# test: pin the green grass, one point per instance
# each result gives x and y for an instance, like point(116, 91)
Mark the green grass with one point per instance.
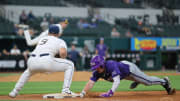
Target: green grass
point(101, 86)
point(9, 74)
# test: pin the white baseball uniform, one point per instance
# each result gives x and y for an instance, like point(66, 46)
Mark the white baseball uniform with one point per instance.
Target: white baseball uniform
point(42, 60)
point(32, 42)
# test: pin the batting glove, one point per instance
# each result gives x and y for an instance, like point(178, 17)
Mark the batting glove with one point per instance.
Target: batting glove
point(82, 94)
point(108, 94)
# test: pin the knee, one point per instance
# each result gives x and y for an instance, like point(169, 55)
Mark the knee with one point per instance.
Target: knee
point(28, 72)
point(148, 83)
point(71, 65)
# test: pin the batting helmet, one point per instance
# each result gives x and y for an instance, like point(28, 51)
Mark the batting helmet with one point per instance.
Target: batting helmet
point(97, 61)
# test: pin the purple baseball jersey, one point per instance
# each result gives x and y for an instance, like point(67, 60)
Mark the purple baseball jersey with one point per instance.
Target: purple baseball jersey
point(101, 49)
point(112, 69)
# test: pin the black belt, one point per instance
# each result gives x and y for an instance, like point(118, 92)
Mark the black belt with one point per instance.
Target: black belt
point(41, 55)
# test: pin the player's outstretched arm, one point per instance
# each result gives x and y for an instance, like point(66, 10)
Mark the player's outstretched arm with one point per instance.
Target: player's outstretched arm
point(88, 86)
point(115, 85)
point(32, 42)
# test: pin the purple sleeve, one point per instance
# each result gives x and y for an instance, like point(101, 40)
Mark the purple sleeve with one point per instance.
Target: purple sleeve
point(115, 70)
point(95, 76)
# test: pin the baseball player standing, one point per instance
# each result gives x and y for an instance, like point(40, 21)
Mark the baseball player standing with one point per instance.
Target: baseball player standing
point(42, 59)
point(115, 71)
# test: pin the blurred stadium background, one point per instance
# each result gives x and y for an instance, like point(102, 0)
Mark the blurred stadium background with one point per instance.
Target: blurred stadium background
point(146, 32)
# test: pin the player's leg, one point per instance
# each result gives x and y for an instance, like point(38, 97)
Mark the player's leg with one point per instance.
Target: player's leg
point(19, 85)
point(66, 66)
point(141, 77)
point(23, 78)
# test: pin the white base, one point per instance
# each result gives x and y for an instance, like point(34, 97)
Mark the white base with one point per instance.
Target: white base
point(59, 96)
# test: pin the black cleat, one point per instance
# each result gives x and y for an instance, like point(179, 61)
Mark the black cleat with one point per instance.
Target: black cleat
point(134, 85)
point(168, 87)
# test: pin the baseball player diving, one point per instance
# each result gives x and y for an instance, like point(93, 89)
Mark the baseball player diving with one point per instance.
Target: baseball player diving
point(42, 59)
point(114, 71)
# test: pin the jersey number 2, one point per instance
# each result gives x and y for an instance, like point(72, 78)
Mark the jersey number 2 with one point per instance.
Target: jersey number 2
point(43, 41)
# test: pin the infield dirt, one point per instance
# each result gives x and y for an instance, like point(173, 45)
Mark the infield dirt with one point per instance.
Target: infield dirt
point(119, 96)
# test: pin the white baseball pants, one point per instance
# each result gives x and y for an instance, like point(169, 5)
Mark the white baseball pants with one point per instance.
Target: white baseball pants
point(47, 64)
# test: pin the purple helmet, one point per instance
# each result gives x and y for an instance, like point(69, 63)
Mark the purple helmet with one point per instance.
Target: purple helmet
point(96, 62)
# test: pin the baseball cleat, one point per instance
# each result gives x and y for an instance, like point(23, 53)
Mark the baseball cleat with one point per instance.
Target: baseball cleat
point(13, 94)
point(168, 87)
point(172, 91)
point(134, 85)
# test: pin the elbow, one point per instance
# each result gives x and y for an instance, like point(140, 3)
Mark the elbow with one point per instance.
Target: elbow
point(63, 55)
point(117, 82)
point(30, 44)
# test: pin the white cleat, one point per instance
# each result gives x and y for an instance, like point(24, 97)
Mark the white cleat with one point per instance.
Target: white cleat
point(13, 94)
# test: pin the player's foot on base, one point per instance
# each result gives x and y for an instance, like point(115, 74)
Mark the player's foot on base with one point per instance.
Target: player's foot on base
point(168, 87)
point(13, 94)
point(134, 85)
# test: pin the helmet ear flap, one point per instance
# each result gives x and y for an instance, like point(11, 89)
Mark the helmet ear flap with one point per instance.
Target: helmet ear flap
point(102, 65)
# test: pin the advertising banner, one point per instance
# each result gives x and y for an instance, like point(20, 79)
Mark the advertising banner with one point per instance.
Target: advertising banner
point(12, 62)
point(151, 43)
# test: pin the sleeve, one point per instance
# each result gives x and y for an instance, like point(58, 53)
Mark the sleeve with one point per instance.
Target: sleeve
point(115, 83)
point(115, 70)
point(32, 42)
point(95, 76)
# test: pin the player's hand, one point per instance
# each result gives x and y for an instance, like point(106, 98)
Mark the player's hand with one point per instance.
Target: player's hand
point(82, 94)
point(108, 94)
